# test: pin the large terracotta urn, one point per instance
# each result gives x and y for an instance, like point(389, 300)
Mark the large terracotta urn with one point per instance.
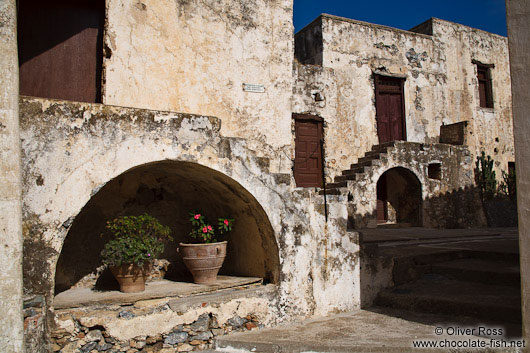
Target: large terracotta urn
point(203, 260)
point(131, 277)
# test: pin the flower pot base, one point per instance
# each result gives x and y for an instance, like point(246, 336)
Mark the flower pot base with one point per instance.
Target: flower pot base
point(131, 278)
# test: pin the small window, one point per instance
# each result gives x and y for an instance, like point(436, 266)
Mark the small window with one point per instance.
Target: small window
point(435, 171)
point(484, 85)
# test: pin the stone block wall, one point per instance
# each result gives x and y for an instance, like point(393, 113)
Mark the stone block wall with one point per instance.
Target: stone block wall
point(194, 57)
point(441, 86)
point(72, 151)
point(164, 324)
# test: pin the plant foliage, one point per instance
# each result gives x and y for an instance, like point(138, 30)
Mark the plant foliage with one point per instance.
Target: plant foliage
point(508, 185)
point(202, 230)
point(485, 176)
point(137, 239)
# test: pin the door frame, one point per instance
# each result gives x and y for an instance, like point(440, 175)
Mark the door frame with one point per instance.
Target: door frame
point(319, 121)
point(381, 88)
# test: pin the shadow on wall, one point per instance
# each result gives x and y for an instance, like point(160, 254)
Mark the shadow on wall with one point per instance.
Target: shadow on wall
point(460, 208)
point(168, 191)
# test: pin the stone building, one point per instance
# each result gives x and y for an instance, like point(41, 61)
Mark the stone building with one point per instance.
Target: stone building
point(165, 107)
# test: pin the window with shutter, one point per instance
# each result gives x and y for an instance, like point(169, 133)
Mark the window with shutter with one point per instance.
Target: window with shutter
point(484, 85)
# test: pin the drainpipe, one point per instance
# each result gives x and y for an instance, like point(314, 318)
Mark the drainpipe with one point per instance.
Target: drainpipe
point(323, 177)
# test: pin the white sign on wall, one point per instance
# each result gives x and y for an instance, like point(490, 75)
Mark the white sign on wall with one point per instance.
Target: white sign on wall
point(254, 88)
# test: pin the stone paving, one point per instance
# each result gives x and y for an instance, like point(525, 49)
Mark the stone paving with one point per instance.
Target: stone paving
point(386, 329)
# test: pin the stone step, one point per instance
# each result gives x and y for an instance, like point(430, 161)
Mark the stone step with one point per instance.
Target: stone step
point(355, 170)
point(502, 273)
point(383, 146)
point(341, 178)
point(361, 164)
point(337, 185)
point(439, 294)
point(367, 159)
point(378, 154)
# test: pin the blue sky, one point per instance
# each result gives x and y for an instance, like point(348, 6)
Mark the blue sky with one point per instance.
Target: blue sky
point(489, 15)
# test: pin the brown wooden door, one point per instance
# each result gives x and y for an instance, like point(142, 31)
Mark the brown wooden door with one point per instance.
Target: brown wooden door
point(390, 109)
point(60, 48)
point(308, 153)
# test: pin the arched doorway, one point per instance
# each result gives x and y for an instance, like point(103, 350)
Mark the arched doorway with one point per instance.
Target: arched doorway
point(168, 190)
point(399, 198)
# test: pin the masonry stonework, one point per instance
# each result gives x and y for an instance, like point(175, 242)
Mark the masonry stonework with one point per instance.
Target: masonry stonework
point(199, 100)
point(64, 177)
point(441, 86)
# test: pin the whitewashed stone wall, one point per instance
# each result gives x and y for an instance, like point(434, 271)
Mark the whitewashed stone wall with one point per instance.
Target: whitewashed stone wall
point(440, 87)
point(70, 150)
point(194, 56)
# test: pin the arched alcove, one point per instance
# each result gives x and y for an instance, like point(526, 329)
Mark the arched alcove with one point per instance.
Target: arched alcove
point(399, 197)
point(169, 190)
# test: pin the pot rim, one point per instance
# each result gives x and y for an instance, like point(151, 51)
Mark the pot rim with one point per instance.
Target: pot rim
point(203, 244)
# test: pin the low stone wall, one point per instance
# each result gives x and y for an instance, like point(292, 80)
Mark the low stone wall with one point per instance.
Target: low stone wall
point(163, 325)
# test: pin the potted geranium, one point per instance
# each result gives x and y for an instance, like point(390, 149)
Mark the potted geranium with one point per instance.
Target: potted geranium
point(205, 255)
point(137, 241)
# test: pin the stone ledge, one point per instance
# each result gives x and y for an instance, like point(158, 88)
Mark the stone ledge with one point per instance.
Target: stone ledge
point(81, 297)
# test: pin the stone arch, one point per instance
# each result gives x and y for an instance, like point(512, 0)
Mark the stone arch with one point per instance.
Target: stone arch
point(168, 190)
point(399, 197)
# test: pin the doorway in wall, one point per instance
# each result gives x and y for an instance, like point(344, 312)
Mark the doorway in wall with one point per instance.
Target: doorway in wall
point(308, 150)
point(60, 45)
point(399, 198)
point(390, 108)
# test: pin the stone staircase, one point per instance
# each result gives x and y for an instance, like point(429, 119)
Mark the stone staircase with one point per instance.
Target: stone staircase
point(371, 158)
point(481, 286)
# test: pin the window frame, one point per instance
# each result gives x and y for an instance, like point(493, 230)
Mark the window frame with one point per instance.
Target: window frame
point(485, 85)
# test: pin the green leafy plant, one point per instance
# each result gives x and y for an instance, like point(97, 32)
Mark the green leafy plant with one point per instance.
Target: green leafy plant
point(202, 230)
point(508, 185)
point(136, 240)
point(485, 176)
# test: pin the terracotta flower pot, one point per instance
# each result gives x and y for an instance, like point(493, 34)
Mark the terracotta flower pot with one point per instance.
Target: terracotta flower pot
point(203, 260)
point(131, 277)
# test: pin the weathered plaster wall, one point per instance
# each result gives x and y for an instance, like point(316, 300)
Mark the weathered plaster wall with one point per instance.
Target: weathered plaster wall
point(489, 129)
point(11, 320)
point(71, 150)
point(450, 202)
point(355, 50)
point(440, 86)
point(194, 56)
point(518, 19)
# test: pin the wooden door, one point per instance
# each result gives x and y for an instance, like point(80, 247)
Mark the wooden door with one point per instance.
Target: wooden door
point(382, 212)
point(60, 48)
point(308, 152)
point(390, 109)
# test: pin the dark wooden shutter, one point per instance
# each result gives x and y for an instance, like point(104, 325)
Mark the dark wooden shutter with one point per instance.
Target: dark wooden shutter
point(308, 152)
point(484, 86)
point(60, 48)
point(390, 108)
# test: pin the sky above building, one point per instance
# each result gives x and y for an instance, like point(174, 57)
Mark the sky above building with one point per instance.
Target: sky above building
point(488, 15)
